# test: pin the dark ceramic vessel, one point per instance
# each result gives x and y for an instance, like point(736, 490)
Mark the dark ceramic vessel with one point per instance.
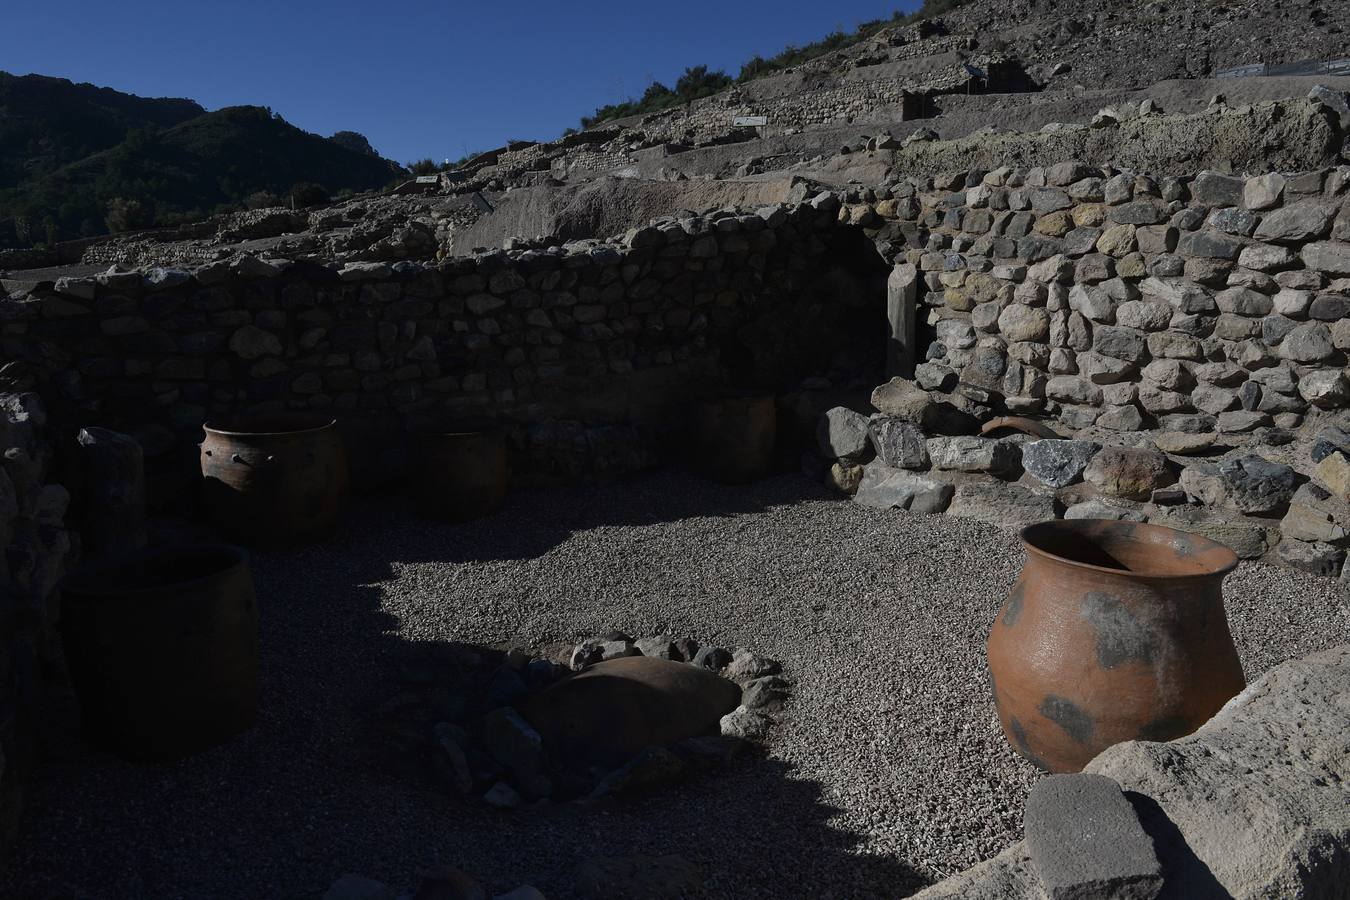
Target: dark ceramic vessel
point(1115, 631)
point(274, 481)
point(459, 475)
point(163, 650)
point(734, 437)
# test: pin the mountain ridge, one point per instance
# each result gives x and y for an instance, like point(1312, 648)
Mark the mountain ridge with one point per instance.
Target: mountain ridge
point(70, 151)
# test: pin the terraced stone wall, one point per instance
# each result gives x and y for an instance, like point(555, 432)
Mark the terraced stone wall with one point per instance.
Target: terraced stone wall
point(588, 348)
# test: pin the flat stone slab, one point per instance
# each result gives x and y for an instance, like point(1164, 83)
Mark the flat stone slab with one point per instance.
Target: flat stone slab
point(1006, 505)
point(1086, 841)
point(885, 488)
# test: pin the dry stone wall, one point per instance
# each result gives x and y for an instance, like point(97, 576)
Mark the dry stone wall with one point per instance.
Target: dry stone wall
point(1189, 334)
point(1281, 136)
point(37, 549)
point(584, 346)
point(873, 99)
point(1113, 299)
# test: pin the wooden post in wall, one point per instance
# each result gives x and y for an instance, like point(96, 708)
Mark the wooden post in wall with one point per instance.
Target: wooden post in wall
point(902, 296)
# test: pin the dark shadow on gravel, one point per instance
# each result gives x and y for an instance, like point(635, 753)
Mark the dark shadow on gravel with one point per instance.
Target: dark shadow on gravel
point(535, 521)
point(313, 791)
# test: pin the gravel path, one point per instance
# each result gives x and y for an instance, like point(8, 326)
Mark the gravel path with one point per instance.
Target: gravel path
point(887, 770)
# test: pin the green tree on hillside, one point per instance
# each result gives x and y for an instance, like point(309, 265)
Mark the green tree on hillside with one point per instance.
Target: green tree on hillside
point(697, 82)
point(307, 193)
point(125, 214)
point(354, 141)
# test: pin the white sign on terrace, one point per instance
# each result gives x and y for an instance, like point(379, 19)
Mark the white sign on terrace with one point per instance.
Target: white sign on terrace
point(750, 121)
point(428, 179)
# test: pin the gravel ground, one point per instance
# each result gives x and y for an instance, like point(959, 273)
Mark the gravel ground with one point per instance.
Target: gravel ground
point(887, 770)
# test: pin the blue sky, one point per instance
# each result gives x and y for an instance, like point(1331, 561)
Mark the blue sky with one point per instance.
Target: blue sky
point(417, 78)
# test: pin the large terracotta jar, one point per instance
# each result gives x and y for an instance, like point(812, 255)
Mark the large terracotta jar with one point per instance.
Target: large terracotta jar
point(274, 481)
point(163, 649)
point(734, 437)
point(459, 475)
point(1115, 631)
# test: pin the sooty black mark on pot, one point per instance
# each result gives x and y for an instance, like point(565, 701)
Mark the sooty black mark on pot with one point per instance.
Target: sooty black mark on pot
point(1020, 738)
point(1167, 728)
point(1121, 638)
point(1066, 714)
point(1013, 608)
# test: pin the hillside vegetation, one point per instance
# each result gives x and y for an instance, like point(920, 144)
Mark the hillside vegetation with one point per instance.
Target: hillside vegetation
point(78, 160)
point(698, 82)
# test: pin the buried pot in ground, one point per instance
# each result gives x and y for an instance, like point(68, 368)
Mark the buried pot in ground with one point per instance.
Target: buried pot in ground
point(516, 729)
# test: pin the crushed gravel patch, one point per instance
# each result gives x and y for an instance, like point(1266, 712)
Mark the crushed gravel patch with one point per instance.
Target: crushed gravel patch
point(886, 771)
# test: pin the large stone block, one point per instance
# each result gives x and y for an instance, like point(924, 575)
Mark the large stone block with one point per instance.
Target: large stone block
point(841, 434)
point(883, 487)
point(1069, 389)
point(1309, 343)
point(1086, 842)
point(1332, 257)
point(1209, 245)
point(1248, 538)
point(1334, 472)
point(1298, 222)
point(1058, 463)
point(1316, 516)
point(1217, 189)
point(974, 454)
point(1314, 558)
point(1181, 294)
point(905, 400)
point(1263, 191)
point(1129, 473)
point(899, 444)
point(1024, 323)
point(1248, 484)
point(1228, 812)
point(1125, 344)
point(999, 503)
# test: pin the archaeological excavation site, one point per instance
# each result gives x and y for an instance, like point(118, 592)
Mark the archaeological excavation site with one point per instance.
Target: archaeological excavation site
point(920, 469)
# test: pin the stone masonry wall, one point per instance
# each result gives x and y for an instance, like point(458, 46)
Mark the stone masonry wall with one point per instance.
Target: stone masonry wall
point(37, 549)
point(1116, 299)
point(874, 99)
point(1189, 334)
point(581, 345)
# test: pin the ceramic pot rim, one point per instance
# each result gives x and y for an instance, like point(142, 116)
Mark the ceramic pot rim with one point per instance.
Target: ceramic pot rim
point(739, 396)
point(1028, 536)
point(231, 425)
point(94, 580)
point(453, 432)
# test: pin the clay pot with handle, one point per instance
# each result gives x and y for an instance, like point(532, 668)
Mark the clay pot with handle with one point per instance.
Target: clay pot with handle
point(1115, 631)
point(274, 481)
